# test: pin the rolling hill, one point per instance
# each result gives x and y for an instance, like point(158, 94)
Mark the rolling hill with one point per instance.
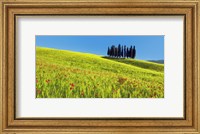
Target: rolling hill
point(157, 61)
point(67, 74)
point(140, 63)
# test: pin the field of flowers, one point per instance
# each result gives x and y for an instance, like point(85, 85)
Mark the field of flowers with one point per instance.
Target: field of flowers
point(67, 74)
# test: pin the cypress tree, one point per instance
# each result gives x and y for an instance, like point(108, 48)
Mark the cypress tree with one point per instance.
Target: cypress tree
point(108, 51)
point(125, 51)
point(134, 52)
point(122, 50)
point(119, 51)
point(131, 52)
point(112, 51)
point(116, 52)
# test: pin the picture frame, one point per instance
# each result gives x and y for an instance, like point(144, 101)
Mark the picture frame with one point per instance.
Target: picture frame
point(10, 9)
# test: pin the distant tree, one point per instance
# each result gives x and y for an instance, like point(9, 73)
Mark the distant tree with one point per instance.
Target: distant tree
point(131, 52)
point(134, 52)
point(119, 51)
point(108, 51)
point(112, 50)
point(125, 51)
point(116, 51)
point(122, 51)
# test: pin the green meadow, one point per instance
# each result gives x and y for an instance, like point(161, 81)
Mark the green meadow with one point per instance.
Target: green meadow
point(68, 74)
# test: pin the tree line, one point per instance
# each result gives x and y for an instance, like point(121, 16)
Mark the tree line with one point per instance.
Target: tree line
point(121, 51)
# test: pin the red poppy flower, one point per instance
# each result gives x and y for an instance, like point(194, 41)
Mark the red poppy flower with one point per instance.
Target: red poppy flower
point(38, 91)
point(82, 93)
point(72, 84)
point(47, 81)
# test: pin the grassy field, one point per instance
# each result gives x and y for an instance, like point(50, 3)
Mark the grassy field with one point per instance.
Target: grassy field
point(140, 63)
point(67, 74)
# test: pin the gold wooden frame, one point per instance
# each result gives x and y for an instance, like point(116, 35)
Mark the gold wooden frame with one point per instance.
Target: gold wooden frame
point(11, 8)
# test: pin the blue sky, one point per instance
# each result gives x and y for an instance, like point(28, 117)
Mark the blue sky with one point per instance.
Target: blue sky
point(147, 47)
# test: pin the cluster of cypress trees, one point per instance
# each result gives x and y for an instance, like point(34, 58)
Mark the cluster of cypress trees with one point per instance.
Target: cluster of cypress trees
point(121, 51)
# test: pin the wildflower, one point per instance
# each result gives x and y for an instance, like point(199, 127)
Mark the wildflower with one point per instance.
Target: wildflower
point(47, 81)
point(72, 84)
point(82, 93)
point(38, 91)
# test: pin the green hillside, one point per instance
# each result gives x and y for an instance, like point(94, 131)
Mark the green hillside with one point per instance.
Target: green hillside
point(67, 74)
point(157, 61)
point(140, 63)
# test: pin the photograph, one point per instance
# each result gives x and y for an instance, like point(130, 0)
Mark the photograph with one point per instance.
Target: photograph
point(99, 66)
